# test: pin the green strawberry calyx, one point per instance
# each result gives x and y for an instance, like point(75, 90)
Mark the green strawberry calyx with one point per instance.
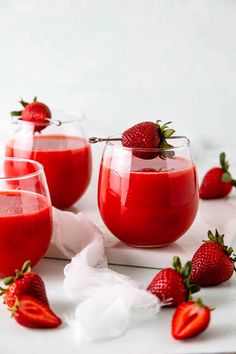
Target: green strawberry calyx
point(226, 176)
point(200, 303)
point(185, 271)
point(165, 133)
point(219, 239)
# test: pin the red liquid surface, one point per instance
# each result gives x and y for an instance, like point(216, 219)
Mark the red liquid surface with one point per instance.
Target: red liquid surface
point(66, 161)
point(148, 207)
point(26, 229)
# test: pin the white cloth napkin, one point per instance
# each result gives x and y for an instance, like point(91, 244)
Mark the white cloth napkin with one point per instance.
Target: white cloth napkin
point(106, 302)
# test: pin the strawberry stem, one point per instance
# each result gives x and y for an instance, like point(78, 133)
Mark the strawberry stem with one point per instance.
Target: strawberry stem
point(223, 163)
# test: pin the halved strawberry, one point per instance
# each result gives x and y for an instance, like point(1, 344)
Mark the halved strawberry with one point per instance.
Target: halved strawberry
point(24, 282)
point(32, 313)
point(190, 319)
point(34, 112)
point(148, 135)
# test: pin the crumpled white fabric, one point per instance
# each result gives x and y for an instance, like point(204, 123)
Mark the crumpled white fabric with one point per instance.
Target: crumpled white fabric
point(106, 302)
point(73, 232)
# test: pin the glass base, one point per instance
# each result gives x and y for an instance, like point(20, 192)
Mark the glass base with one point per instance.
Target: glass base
point(147, 246)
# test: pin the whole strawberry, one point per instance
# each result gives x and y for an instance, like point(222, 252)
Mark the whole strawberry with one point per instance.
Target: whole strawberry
point(172, 286)
point(190, 319)
point(147, 135)
point(218, 182)
point(212, 263)
point(34, 112)
point(24, 282)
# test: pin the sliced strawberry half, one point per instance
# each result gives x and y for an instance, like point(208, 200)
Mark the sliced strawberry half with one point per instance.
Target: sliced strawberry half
point(32, 313)
point(190, 319)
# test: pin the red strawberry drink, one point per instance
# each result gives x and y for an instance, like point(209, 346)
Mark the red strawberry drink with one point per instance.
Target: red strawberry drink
point(25, 214)
point(148, 197)
point(60, 145)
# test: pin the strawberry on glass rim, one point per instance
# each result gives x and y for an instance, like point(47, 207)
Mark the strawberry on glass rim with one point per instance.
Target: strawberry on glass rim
point(58, 141)
point(145, 135)
point(148, 190)
point(34, 112)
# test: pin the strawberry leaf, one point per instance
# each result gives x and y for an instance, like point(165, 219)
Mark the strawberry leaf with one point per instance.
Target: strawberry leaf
point(186, 270)
point(167, 133)
point(177, 264)
point(16, 113)
point(26, 267)
point(194, 288)
point(164, 126)
point(226, 177)
point(8, 280)
point(23, 103)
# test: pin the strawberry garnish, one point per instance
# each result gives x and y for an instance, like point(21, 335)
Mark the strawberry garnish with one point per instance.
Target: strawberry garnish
point(33, 313)
point(148, 135)
point(24, 282)
point(34, 112)
point(213, 262)
point(190, 319)
point(218, 182)
point(172, 286)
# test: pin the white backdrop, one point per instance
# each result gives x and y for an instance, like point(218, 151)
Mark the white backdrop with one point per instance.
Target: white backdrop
point(124, 61)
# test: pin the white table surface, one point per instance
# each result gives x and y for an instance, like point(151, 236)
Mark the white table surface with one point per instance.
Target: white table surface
point(151, 337)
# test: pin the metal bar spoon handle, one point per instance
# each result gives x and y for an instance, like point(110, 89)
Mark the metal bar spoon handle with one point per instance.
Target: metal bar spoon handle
point(95, 139)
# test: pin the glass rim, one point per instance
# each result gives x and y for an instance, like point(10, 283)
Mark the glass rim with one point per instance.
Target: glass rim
point(24, 176)
point(75, 117)
point(158, 149)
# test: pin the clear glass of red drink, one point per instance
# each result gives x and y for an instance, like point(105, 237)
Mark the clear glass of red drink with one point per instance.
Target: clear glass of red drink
point(61, 146)
point(148, 197)
point(25, 214)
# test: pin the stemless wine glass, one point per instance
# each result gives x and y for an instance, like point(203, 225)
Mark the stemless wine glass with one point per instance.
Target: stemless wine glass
point(25, 214)
point(148, 197)
point(62, 147)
